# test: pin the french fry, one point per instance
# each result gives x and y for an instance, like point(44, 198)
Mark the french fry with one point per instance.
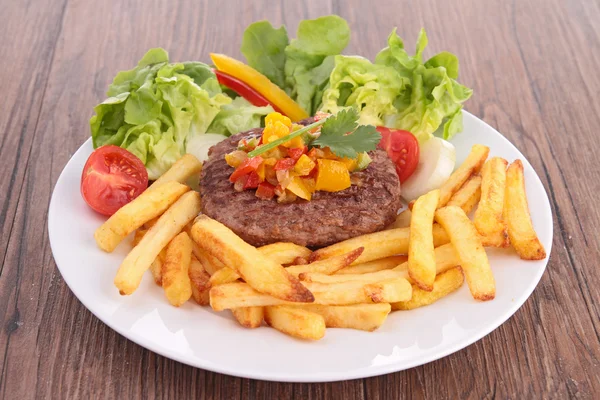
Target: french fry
point(284, 253)
point(235, 295)
point(402, 220)
point(445, 259)
point(210, 263)
point(223, 276)
point(150, 204)
point(472, 165)
point(520, 228)
point(328, 266)
point(184, 168)
point(139, 259)
point(421, 256)
point(488, 217)
point(156, 266)
point(468, 195)
point(470, 251)
point(257, 270)
point(249, 317)
point(295, 322)
point(444, 284)
point(364, 317)
point(200, 281)
point(373, 266)
point(138, 235)
point(151, 223)
point(175, 270)
point(377, 245)
point(382, 292)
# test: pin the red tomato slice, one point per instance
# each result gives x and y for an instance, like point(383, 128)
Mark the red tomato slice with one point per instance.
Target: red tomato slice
point(403, 148)
point(244, 90)
point(111, 178)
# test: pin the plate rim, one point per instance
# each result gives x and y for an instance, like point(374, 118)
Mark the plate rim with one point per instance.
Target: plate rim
point(358, 373)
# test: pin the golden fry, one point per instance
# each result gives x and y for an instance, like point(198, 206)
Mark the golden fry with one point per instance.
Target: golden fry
point(295, 322)
point(468, 195)
point(369, 277)
point(209, 262)
point(257, 270)
point(472, 165)
point(223, 276)
point(284, 253)
point(175, 270)
point(249, 317)
point(328, 266)
point(402, 220)
point(364, 317)
point(470, 251)
point(421, 256)
point(184, 168)
point(386, 291)
point(148, 205)
point(156, 266)
point(139, 259)
point(488, 217)
point(520, 228)
point(373, 266)
point(378, 245)
point(444, 284)
point(200, 280)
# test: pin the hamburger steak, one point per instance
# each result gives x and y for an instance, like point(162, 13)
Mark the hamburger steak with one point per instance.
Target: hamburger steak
point(328, 218)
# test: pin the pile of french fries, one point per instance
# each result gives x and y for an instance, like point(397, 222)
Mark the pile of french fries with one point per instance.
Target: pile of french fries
point(422, 257)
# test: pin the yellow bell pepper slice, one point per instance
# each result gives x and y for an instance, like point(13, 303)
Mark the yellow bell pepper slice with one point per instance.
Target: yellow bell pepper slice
point(350, 163)
point(261, 84)
point(333, 176)
point(304, 165)
point(297, 187)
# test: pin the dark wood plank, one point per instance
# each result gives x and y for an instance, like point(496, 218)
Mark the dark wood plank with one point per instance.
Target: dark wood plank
point(533, 67)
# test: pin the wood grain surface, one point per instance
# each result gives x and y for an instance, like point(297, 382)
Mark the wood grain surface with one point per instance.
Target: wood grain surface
point(533, 66)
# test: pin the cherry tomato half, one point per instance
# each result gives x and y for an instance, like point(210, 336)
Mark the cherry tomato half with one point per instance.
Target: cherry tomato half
point(111, 178)
point(403, 148)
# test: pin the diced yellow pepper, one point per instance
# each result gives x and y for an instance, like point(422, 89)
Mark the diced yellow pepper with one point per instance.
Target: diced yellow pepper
point(350, 163)
point(304, 165)
point(309, 183)
point(260, 171)
point(273, 117)
point(297, 187)
point(274, 131)
point(295, 143)
point(261, 84)
point(270, 161)
point(333, 176)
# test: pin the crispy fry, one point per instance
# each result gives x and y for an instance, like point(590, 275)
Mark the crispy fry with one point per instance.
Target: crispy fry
point(468, 195)
point(200, 280)
point(151, 223)
point(328, 266)
point(488, 217)
point(520, 228)
point(421, 256)
point(184, 168)
point(402, 220)
point(175, 270)
point(470, 251)
point(284, 253)
point(378, 245)
point(373, 266)
point(364, 317)
point(150, 204)
point(139, 234)
point(223, 276)
point(139, 259)
point(235, 295)
point(259, 271)
point(209, 262)
point(295, 322)
point(472, 165)
point(156, 266)
point(249, 317)
point(444, 284)
point(384, 291)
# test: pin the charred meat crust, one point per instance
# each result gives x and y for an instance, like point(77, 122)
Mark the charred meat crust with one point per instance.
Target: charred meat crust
point(328, 218)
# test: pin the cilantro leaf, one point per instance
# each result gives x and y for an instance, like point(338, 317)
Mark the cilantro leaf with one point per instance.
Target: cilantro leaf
point(344, 137)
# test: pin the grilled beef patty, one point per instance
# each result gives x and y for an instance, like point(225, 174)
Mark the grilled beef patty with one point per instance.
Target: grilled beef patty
point(328, 218)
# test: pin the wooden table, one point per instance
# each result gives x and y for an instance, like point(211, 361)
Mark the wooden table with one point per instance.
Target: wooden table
point(533, 66)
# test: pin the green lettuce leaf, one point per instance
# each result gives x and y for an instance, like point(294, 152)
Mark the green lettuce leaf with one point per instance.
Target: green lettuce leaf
point(239, 116)
point(264, 48)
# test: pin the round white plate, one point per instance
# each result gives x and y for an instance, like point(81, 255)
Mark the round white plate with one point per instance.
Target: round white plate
point(202, 338)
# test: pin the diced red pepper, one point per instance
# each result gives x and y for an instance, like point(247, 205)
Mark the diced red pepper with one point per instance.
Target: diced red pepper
point(285, 164)
point(314, 172)
point(251, 164)
point(297, 152)
point(265, 191)
point(253, 181)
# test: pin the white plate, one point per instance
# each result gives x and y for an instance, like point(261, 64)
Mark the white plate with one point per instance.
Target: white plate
point(200, 337)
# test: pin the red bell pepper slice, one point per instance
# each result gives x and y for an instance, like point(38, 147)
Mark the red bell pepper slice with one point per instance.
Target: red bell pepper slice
point(249, 165)
point(296, 153)
point(253, 181)
point(244, 90)
point(265, 191)
point(284, 164)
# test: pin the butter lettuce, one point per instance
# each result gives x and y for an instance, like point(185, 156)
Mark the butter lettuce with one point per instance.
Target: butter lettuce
point(159, 111)
point(301, 66)
point(399, 90)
